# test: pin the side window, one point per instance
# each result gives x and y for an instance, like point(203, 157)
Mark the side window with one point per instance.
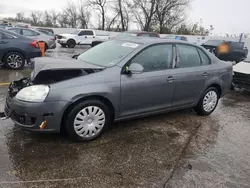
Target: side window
point(143, 35)
point(16, 30)
point(6, 36)
point(153, 35)
point(27, 32)
point(189, 56)
point(158, 57)
point(86, 32)
point(204, 58)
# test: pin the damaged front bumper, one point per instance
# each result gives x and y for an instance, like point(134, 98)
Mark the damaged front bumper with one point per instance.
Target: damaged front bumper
point(31, 116)
point(241, 80)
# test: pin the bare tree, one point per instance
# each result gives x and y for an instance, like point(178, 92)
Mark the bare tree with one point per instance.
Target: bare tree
point(47, 19)
point(83, 14)
point(63, 20)
point(54, 16)
point(100, 5)
point(169, 13)
point(71, 12)
point(20, 17)
point(144, 11)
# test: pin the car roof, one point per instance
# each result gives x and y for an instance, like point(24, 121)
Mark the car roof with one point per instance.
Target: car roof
point(152, 40)
point(138, 32)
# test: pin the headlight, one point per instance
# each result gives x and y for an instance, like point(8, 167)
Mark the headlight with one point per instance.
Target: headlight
point(36, 93)
point(64, 37)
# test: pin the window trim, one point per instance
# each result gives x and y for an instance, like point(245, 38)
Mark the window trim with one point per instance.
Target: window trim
point(30, 31)
point(85, 34)
point(178, 55)
point(210, 62)
point(174, 54)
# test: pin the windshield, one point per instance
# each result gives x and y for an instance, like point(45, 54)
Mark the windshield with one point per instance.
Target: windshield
point(247, 60)
point(75, 32)
point(109, 53)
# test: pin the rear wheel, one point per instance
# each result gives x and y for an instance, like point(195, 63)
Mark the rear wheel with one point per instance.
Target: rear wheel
point(208, 102)
point(14, 60)
point(88, 120)
point(71, 43)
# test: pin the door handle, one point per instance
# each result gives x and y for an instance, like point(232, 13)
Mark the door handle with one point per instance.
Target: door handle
point(170, 79)
point(205, 74)
point(85, 37)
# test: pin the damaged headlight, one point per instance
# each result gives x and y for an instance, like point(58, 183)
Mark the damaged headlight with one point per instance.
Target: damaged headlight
point(36, 93)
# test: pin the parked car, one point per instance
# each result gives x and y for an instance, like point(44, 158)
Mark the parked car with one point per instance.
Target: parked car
point(117, 80)
point(79, 37)
point(45, 29)
point(176, 37)
point(129, 34)
point(50, 41)
point(235, 51)
point(241, 76)
point(16, 49)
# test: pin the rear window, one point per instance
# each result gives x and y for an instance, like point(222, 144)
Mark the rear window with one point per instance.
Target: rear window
point(237, 44)
point(213, 42)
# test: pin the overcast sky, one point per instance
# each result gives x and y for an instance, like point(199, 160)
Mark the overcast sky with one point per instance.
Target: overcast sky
point(227, 16)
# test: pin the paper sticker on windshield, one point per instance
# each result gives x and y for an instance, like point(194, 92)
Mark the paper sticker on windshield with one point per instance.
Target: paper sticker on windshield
point(130, 45)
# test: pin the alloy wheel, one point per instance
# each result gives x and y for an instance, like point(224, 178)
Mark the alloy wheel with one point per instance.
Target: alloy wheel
point(14, 61)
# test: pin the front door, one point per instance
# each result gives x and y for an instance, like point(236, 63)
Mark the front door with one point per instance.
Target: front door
point(153, 89)
point(86, 37)
point(190, 75)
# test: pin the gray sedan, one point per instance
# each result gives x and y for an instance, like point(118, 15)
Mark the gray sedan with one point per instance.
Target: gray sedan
point(117, 80)
point(49, 40)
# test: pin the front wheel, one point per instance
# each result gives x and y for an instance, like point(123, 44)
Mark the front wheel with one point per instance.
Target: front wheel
point(88, 120)
point(208, 102)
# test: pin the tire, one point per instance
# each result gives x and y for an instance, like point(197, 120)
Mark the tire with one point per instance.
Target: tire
point(71, 43)
point(201, 107)
point(14, 60)
point(64, 45)
point(90, 109)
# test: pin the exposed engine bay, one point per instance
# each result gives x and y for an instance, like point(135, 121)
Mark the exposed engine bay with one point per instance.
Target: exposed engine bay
point(48, 77)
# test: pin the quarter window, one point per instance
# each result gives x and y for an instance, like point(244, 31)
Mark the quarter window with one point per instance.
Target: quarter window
point(204, 58)
point(189, 56)
point(158, 57)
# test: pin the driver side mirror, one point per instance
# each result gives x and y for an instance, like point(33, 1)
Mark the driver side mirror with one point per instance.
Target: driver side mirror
point(134, 68)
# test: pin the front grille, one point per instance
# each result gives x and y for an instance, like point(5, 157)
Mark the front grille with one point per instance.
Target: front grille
point(59, 37)
point(22, 119)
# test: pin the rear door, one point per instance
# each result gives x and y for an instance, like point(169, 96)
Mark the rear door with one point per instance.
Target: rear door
point(153, 89)
point(191, 74)
point(86, 36)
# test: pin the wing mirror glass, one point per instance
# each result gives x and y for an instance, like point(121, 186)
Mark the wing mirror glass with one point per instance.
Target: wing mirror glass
point(135, 68)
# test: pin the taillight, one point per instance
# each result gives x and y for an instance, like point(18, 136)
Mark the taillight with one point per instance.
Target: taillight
point(35, 44)
point(53, 39)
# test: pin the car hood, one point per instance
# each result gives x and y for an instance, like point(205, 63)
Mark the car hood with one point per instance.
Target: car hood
point(48, 63)
point(242, 67)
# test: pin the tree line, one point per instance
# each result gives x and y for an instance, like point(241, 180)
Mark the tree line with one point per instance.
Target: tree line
point(163, 16)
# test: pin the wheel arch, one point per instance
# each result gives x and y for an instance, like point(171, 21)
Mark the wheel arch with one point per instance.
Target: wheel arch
point(13, 50)
point(68, 108)
point(217, 86)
